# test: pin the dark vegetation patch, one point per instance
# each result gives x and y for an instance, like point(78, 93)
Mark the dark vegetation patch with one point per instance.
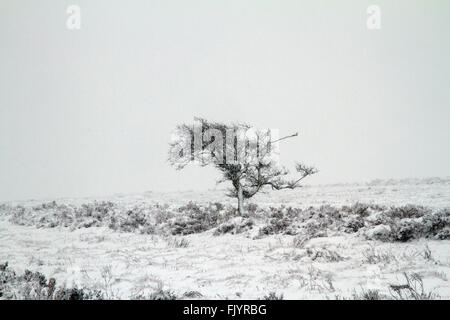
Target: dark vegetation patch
point(234, 226)
point(374, 222)
point(35, 286)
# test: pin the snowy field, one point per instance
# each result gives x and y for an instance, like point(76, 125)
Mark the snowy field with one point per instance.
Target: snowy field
point(250, 261)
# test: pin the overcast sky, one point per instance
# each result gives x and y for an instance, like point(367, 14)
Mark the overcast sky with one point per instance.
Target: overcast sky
point(89, 112)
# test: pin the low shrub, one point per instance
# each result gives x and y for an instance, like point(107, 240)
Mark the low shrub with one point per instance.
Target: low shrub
point(403, 223)
point(162, 295)
point(234, 226)
point(370, 294)
point(35, 286)
point(427, 224)
point(196, 218)
point(273, 296)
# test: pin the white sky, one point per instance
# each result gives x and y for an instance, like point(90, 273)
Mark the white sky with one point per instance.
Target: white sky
point(90, 112)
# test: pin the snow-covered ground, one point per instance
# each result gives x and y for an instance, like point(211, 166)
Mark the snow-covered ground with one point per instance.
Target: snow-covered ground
point(239, 266)
point(432, 192)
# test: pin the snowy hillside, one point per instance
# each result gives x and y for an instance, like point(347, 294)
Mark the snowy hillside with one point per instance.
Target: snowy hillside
point(322, 242)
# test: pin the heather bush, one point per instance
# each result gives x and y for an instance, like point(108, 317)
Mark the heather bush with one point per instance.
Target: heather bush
point(162, 295)
point(35, 286)
point(273, 296)
point(370, 294)
point(403, 223)
point(234, 226)
point(275, 226)
point(196, 218)
point(407, 211)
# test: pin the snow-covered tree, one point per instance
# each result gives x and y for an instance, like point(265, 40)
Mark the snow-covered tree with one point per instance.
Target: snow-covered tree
point(246, 157)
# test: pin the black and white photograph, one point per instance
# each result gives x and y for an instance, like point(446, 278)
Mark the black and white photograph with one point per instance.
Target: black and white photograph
point(224, 150)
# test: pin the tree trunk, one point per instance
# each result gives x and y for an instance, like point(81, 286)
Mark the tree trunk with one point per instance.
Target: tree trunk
point(240, 200)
